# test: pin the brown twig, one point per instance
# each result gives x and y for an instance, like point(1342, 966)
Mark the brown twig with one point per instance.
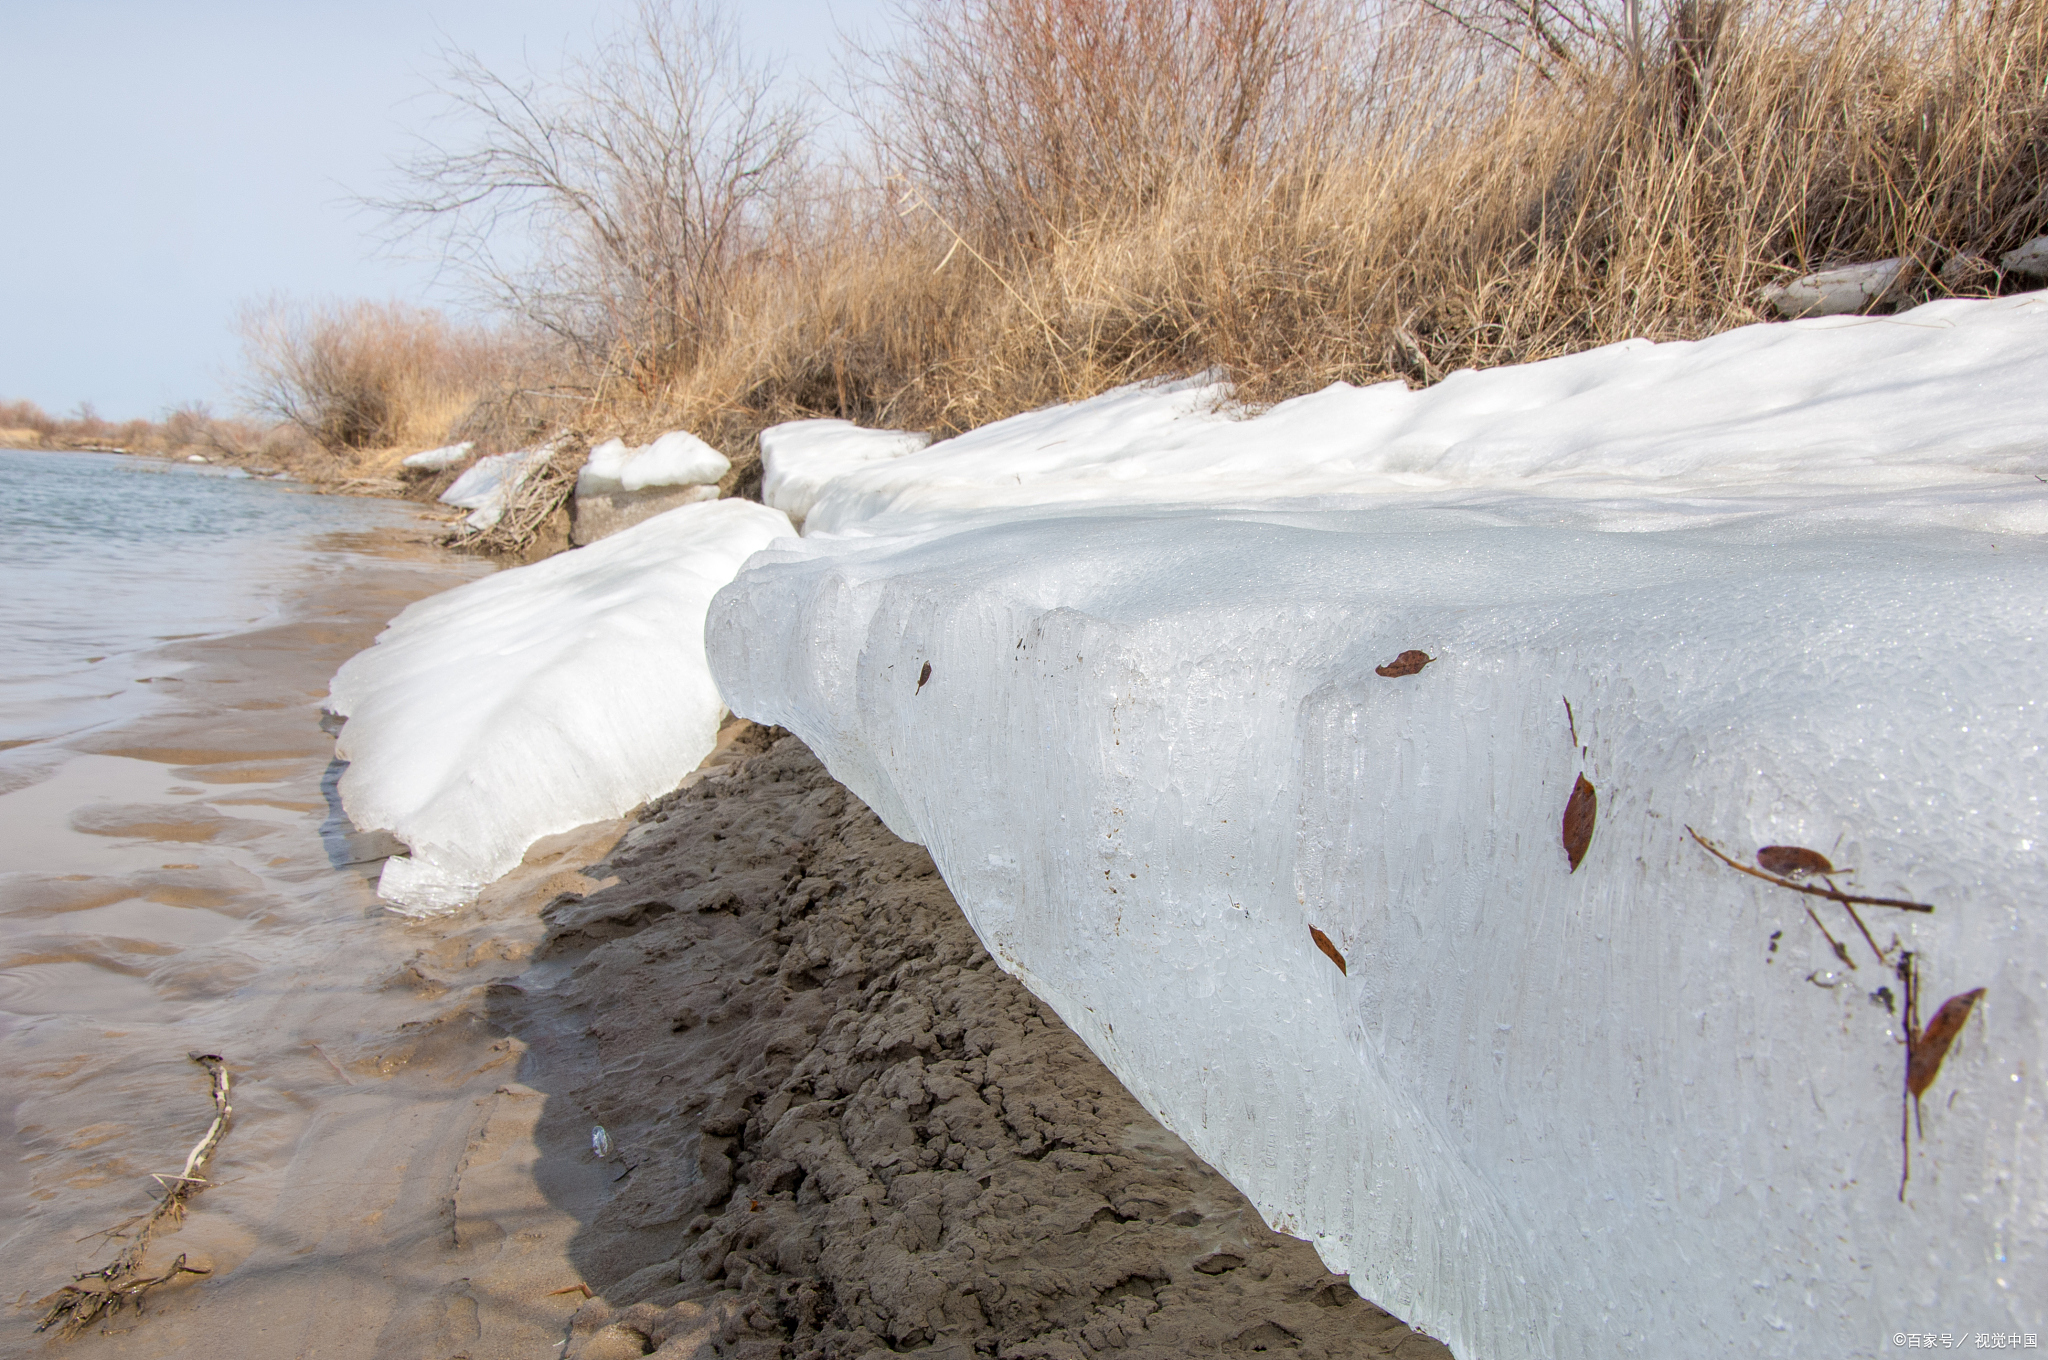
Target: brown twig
point(1850, 907)
point(544, 490)
point(1909, 981)
point(1833, 943)
point(119, 1283)
point(1832, 893)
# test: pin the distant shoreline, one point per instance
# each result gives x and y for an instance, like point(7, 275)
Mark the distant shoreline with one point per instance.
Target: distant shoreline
point(320, 473)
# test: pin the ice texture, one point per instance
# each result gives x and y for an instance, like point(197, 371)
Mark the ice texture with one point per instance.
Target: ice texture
point(1117, 666)
point(538, 699)
point(799, 457)
point(488, 485)
point(677, 458)
point(438, 460)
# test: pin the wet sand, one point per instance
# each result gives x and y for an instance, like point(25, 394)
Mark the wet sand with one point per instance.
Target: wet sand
point(842, 1131)
point(838, 1129)
point(187, 883)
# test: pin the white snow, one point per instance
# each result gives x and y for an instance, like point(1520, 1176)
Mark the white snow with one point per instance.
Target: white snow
point(677, 458)
point(438, 460)
point(1948, 395)
point(1792, 582)
point(538, 699)
point(487, 487)
point(799, 457)
point(602, 467)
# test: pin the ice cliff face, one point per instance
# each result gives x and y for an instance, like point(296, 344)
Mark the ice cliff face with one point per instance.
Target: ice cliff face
point(1650, 1105)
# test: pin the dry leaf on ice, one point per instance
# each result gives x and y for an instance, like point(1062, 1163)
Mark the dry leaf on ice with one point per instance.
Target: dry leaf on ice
point(1793, 861)
point(1931, 1044)
point(1579, 814)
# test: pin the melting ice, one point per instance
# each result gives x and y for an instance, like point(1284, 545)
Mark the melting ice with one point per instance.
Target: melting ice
point(1116, 665)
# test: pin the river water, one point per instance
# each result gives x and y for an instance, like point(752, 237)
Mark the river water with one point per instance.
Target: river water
point(106, 558)
point(177, 876)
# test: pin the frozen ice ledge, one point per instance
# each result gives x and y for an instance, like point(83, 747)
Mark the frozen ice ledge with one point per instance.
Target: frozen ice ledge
point(1128, 670)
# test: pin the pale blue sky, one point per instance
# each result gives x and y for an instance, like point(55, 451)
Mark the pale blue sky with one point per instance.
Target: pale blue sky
point(165, 161)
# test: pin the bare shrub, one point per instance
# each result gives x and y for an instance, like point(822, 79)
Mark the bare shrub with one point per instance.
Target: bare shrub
point(638, 187)
point(1013, 119)
point(192, 427)
point(363, 375)
point(24, 423)
point(1432, 187)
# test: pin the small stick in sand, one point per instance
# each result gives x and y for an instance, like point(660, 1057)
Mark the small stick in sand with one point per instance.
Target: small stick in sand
point(78, 1305)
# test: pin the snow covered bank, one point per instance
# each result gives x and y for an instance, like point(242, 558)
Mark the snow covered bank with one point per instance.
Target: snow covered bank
point(438, 460)
point(1118, 666)
point(538, 699)
point(1949, 395)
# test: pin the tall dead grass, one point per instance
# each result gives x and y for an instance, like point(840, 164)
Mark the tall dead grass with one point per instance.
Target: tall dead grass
point(1072, 194)
point(368, 375)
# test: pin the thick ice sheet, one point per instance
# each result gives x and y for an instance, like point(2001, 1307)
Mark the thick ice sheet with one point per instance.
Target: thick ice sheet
point(799, 458)
point(1791, 582)
point(539, 699)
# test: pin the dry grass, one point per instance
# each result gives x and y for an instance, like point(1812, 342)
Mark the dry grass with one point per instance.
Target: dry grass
point(1397, 202)
point(364, 376)
point(1070, 196)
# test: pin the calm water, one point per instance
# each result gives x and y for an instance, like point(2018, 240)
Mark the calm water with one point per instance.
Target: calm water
point(175, 877)
point(104, 557)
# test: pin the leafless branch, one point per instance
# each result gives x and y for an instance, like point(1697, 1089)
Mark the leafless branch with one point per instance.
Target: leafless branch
point(619, 201)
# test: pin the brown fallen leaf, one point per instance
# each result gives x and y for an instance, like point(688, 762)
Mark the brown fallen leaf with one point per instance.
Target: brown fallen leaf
point(1930, 1045)
point(1793, 861)
point(1832, 893)
point(923, 676)
point(1323, 943)
point(1407, 663)
point(1580, 811)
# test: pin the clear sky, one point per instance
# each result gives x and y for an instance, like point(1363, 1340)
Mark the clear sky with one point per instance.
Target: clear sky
point(163, 162)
